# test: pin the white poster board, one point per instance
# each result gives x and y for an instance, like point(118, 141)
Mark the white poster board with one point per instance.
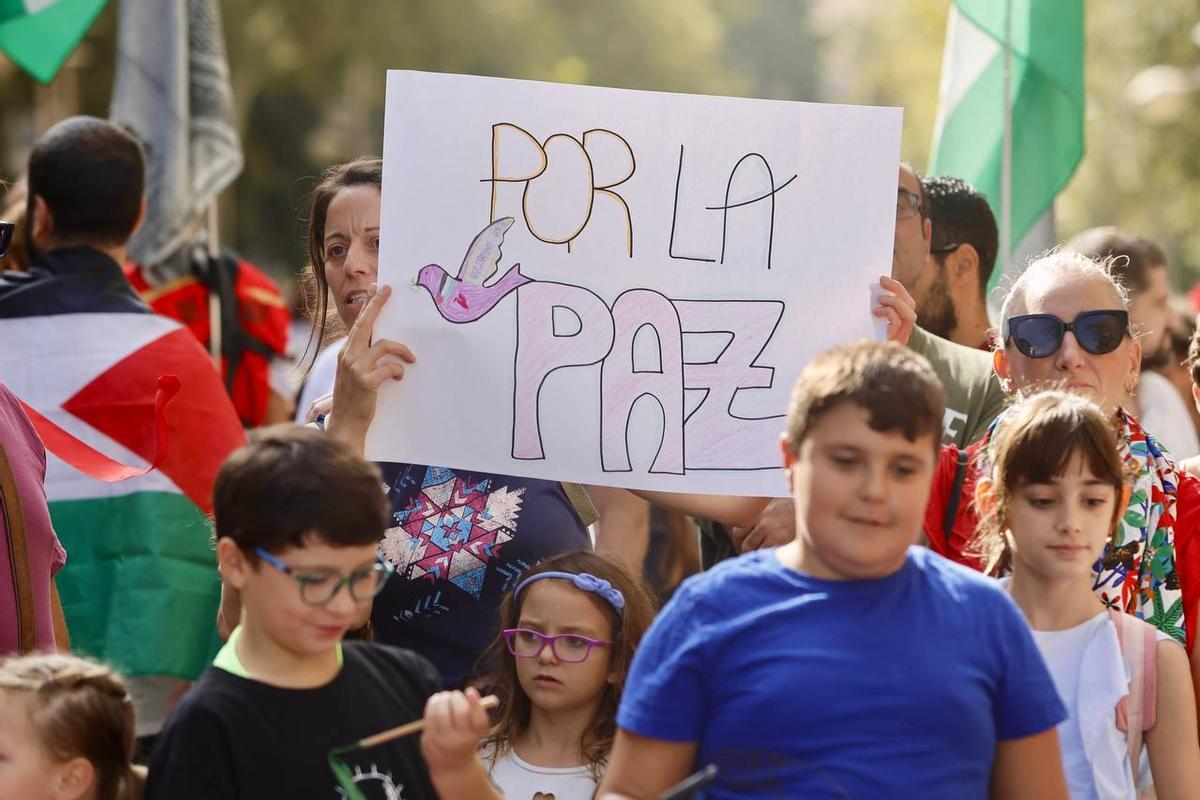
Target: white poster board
point(681, 258)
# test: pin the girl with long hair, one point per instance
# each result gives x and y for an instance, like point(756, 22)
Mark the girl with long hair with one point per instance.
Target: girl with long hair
point(1056, 490)
point(568, 632)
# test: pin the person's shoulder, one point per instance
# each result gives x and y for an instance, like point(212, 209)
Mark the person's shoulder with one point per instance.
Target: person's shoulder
point(934, 347)
point(729, 580)
point(386, 662)
point(214, 700)
point(20, 281)
point(1187, 505)
point(959, 582)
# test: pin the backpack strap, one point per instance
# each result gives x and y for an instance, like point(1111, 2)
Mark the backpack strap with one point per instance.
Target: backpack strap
point(960, 474)
point(580, 502)
point(1137, 710)
point(18, 557)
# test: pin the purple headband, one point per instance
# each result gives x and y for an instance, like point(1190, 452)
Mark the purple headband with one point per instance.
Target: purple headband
point(584, 581)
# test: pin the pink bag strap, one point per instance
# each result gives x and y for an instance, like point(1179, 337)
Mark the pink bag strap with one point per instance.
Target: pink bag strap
point(1139, 650)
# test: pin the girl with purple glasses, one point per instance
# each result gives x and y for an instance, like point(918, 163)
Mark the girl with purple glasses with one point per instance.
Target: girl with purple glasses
point(568, 631)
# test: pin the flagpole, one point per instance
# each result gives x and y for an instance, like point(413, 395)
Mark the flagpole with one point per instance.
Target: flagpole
point(214, 296)
point(1006, 148)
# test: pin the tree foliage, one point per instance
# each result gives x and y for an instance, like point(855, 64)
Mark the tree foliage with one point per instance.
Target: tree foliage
point(1135, 174)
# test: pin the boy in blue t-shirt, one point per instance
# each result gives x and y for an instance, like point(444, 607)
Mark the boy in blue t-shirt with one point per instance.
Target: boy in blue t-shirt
point(849, 663)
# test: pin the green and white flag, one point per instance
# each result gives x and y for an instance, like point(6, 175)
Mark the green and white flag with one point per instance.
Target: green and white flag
point(1046, 103)
point(38, 35)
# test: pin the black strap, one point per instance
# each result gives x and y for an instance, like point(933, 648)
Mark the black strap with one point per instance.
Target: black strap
point(220, 276)
point(960, 474)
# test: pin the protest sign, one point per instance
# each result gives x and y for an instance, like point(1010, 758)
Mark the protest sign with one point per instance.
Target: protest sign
point(619, 287)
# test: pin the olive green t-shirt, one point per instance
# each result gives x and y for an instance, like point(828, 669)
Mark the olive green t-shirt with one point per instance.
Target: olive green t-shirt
point(973, 394)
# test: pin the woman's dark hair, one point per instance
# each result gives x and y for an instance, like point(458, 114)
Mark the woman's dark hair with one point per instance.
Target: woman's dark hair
point(365, 171)
point(628, 628)
point(1033, 443)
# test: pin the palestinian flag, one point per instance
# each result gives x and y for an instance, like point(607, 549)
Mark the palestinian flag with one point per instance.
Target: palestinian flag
point(140, 587)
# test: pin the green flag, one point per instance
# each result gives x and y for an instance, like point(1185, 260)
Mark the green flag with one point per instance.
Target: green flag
point(38, 35)
point(1046, 101)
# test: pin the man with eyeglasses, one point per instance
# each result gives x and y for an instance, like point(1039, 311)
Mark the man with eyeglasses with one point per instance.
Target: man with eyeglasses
point(951, 292)
point(973, 393)
point(974, 396)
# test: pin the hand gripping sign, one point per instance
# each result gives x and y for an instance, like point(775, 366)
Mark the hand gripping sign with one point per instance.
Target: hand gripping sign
point(619, 287)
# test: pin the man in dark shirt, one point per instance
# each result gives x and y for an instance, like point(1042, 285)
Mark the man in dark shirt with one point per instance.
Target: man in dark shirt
point(83, 350)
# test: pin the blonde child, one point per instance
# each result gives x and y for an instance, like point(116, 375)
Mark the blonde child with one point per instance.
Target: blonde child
point(1050, 503)
point(66, 731)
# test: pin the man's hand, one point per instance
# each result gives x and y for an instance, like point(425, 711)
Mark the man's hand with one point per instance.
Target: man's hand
point(775, 526)
point(897, 306)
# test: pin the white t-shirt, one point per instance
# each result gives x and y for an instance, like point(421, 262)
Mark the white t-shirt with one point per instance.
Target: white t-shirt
point(1086, 664)
point(520, 780)
point(320, 379)
point(1090, 676)
point(1164, 415)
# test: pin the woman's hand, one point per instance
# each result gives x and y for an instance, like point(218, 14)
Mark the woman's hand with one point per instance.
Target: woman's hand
point(362, 368)
point(897, 306)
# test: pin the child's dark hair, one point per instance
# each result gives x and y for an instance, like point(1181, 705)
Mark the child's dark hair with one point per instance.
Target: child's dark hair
point(1033, 443)
point(628, 628)
point(292, 482)
point(78, 708)
point(895, 386)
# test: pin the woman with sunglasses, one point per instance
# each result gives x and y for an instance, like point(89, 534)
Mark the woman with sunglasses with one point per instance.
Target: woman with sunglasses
point(1065, 324)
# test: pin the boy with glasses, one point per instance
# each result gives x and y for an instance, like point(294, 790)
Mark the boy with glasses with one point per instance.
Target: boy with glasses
point(848, 663)
point(297, 519)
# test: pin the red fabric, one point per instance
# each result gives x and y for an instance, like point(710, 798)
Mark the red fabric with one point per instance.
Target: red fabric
point(1187, 527)
point(1187, 550)
point(90, 461)
point(263, 315)
point(966, 520)
point(200, 427)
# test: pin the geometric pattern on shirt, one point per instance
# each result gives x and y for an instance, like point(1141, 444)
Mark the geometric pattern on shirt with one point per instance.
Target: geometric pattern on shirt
point(451, 530)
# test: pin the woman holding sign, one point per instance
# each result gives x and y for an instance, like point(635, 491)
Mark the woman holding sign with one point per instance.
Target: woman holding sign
point(459, 538)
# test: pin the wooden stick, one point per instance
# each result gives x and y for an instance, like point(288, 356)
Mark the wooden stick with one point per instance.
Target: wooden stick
point(489, 702)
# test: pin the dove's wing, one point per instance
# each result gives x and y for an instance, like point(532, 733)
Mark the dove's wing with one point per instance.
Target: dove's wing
point(484, 253)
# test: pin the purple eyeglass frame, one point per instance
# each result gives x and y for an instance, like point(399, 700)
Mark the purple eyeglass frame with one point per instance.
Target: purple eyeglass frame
point(545, 639)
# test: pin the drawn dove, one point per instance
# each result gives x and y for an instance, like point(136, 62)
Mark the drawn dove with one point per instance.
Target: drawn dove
point(466, 298)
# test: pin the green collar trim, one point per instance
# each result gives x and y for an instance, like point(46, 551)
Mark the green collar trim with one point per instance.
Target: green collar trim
point(227, 658)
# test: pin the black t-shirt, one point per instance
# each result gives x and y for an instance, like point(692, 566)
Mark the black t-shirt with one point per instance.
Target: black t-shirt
point(232, 738)
point(459, 541)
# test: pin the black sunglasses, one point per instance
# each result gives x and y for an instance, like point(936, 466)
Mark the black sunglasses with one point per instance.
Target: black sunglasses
point(1040, 335)
point(6, 234)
